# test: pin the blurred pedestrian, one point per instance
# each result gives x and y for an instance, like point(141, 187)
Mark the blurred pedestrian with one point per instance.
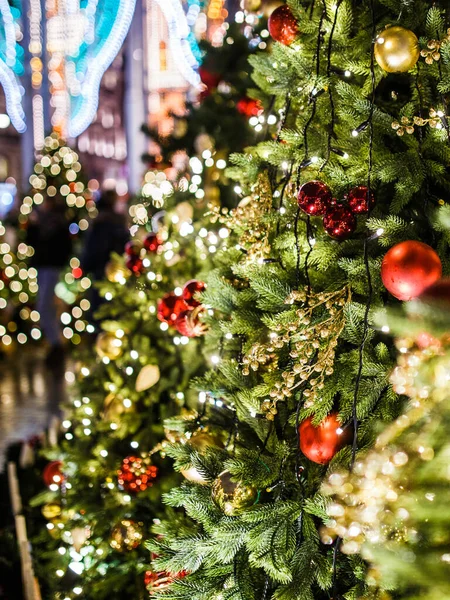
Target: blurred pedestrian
point(107, 233)
point(48, 234)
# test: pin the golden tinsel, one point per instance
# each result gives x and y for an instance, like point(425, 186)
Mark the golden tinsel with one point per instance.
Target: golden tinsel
point(312, 336)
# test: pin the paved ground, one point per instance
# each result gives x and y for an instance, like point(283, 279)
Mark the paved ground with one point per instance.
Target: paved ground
point(29, 397)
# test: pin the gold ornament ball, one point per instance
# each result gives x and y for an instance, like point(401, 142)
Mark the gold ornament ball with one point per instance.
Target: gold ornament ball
point(108, 345)
point(116, 273)
point(268, 6)
point(396, 49)
point(232, 497)
point(200, 441)
point(51, 510)
point(126, 535)
point(251, 5)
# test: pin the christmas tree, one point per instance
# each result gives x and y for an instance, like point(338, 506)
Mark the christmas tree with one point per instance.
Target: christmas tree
point(341, 216)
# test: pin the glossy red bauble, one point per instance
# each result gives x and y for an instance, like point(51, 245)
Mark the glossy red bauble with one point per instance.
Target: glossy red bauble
point(360, 199)
point(339, 222)
point(321, 443)
point(409, 268)
point(151, 242)
point(189, 324)
point(209, 79)
point(52, 473)
point(136, 474)
point(133, 247)
point(169, 307)
point(135, 264)
point(249, 107)
point(314, 198)
point(190, 290)
point(282, 25)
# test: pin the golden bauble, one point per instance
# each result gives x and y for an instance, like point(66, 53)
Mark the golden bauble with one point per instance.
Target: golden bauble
point(251, 5)
point(108, 345)
point(200, 441)
point(126, 535)
point(232, 497)
point(397, 49)
point(268, 6)
point(51, 510)
point(116, 272)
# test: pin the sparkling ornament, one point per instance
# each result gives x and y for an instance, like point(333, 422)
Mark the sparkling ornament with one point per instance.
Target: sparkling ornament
point(52, 473)
point(409, 268)
point(200, 441)
point(339, 222)
point(136, 474)
point(169, 307)
point(107, 345)
point(116, 272)
point(133, 247)
point(135, 264)
point(51, 510)
point(321, 443)
point(126, 535)
point(314, 198)
point(249, 107)
point(232, 497)
point(190, 290)
point(251, 5)
point(282, 25)
point(357, 199)
point(188, 323)
point(152, 242)
point(397, 49)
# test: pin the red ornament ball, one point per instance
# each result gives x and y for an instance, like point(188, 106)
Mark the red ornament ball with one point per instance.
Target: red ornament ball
point(169, 307)
point(361, 199)
point(339, 222)
point(133, 247)
point(135, 264)
point(282, 25)
point(190, 290)
point(136, 474)
point(249, 107)
point(409, 268)
point(188, 323)
point(152, 242)
point(314, 198)
point(321, 443)
point(52, 473)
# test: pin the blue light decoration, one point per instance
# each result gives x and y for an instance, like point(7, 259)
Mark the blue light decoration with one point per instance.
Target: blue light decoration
point(11, 61)
point(179, 36)
point(108, 22)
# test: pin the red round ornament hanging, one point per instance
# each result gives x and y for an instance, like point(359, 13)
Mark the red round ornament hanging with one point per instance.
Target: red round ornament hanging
point(314, 198)
point(190, 290)
point(409, 268)
point(339, 222)
point(321, 443)
point(282, 25)
point(135, 264)
point(188, 323)
point(169, 307)
point(133, 247)
point(249, 107)
point(52, 473)
point(361, 199)
point(151, 242)
point(136, 474)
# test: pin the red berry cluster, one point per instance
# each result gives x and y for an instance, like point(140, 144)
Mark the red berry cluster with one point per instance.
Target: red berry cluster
point(136, 474)
point(183, 312)
point(134, 250)
point(339, 220)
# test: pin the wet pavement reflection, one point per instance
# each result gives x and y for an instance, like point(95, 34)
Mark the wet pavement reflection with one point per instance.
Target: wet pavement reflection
point(30, 396)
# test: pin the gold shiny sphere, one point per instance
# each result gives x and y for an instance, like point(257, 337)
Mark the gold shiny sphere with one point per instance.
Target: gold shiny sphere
point(201, 441)
point(108, 345)
point(232, 497)
point(251, 5)
point(397, 49)
point(51, 510)
point(116, 273)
